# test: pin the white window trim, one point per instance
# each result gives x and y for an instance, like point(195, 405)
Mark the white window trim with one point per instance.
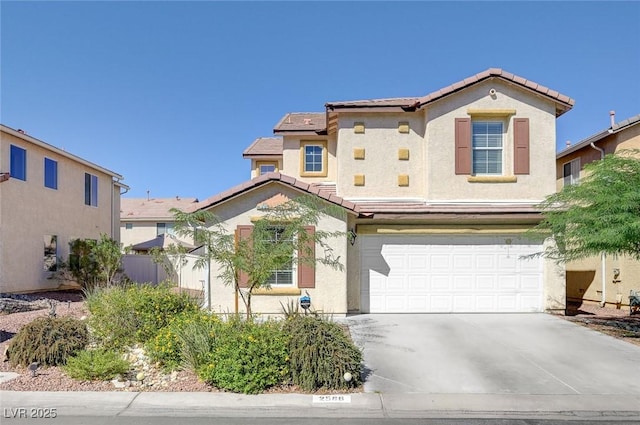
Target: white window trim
point(501, 148)
point(574, 176)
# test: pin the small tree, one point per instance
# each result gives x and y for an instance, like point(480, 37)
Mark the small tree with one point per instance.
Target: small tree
point(93, 263)
point(274, 239)
point(599, 214)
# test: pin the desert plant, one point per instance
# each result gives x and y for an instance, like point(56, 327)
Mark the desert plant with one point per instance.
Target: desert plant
point(91, 365)
point(248, 357)
point(48, 341)
point(121, 316)
point(320, 353)
point(186, 341)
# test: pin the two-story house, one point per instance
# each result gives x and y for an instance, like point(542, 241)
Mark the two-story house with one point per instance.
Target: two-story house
point(607, 279)
point(437, 189)
point(48, 197)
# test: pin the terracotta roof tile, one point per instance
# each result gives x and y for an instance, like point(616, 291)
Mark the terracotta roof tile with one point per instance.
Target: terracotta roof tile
point(141, 208)
point(264, 146)
point(267, 178)
point(302, 121)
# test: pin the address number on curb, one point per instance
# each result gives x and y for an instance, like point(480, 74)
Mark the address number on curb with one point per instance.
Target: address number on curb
point(332, 398)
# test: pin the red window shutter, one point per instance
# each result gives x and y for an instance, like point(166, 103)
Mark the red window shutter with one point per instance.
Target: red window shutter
point(307, 272)
point(521, 145)
point(463, 145)
point(243, 232)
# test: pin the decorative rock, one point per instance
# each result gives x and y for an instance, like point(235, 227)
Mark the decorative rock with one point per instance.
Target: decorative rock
point(140, 376)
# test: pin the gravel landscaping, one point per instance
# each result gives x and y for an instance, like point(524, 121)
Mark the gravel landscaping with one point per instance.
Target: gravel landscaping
point(145, 376)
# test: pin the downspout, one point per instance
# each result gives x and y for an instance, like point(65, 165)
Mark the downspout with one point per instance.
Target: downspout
point(603, 256)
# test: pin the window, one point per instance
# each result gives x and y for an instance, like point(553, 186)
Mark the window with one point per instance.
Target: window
point(50, 173)
point(162, 228)
point(18, 167)
point(313, 159)
point(266, 167)
point(90, 190)
point(128, 226)
point(50, 253)
point(571, 172)
point(487, 147)
point(283, 275)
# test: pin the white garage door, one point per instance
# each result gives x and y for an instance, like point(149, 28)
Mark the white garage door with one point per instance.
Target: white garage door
point(402, 274)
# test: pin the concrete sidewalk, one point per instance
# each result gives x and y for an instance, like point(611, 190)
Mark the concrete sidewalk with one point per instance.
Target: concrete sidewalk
point(362, 405)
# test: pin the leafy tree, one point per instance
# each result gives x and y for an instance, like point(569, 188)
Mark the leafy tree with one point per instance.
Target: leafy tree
point(599, 214)
point(273, 241)
point(109, 258)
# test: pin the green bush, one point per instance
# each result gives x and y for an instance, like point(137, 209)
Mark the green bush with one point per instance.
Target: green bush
point(320, 353)
point(186, 341)
point(122, 316)
point(90, 365)
point(49, 341)
point(248, 357)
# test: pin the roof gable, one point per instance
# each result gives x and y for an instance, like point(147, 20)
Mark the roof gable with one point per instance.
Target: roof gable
point(563, 103)
point(279, 178)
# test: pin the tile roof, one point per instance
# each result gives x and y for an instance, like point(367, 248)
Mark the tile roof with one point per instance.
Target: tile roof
point(264, 146)
point(141, 208)
point(319, 190)
point(302, 121)
point(564, 102)
point(616, 128)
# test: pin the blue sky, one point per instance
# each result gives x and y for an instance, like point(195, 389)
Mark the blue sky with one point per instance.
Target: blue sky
point(169, 94)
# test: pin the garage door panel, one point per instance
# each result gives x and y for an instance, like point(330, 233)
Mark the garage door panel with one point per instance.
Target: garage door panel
point(449, 274)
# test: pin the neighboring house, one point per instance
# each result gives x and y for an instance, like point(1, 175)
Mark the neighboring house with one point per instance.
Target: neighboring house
point(437, 190)
point(605, 279)
point(48, 197)
point(144, 221)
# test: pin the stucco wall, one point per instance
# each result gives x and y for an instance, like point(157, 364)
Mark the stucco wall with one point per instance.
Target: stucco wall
point(330, 293)
point(29, 211)
point(381, 165)
point(442, 182)
point(291, 158)
point(141, 231)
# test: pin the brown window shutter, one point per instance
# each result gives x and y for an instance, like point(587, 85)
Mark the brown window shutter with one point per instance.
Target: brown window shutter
point(521, 145)
point(307, 272)
point(463, 145)
point(243, 232)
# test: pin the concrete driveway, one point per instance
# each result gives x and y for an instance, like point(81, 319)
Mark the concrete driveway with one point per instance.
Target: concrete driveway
point(492, 354)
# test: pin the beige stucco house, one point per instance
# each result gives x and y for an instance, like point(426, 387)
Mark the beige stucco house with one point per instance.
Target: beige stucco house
point(605, 279)
point(143, 220)
point(48, 197)
point(437, 190)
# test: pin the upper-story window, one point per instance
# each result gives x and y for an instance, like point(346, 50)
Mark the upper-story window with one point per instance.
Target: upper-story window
point(571, 172)
point(162, 228)
point(50, 173)
point(90, 190)
point(18, 167)
point(487, 147)
point(265, 167)
point(313, 159)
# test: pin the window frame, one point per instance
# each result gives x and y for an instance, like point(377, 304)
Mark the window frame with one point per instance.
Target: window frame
point(168, 228)
point(90, 190)
point(52, 162)
point(474, 149)
point(293, 270)
point(15, 172)
point(574, 172)
point(323, 157)
point(260, 164)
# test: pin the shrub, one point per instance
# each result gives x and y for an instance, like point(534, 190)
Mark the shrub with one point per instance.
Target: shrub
point(90, 365)
point(122, 316)
point(248, 357)
point(49, 341)
point(320, 354)
point(186, 341)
